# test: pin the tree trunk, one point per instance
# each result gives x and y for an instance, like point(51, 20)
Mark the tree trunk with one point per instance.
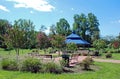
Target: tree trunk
point(17, 54)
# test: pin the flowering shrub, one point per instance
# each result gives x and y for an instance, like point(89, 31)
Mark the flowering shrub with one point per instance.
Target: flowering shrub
point(116, 44)
point(43, 40)
point(58, 41)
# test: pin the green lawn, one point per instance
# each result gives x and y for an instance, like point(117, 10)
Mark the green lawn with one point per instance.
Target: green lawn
point(115, 56)
point(13, 53)
point(106, 71)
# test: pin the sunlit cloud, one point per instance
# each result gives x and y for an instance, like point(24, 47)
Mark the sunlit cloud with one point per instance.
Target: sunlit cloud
point(47, 31)
point(72, 8)
point(116, 21)
point(31, 12)
point(39, 5)
point(4, 8)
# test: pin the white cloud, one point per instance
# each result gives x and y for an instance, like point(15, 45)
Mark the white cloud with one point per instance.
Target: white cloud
point(118, 21)
point(72, 8)
point(3, 8)
point(47, 31)
point(114, 22)
point(31, 12)
point(39, 5)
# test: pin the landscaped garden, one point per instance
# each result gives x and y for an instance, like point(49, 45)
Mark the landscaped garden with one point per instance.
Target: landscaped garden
point(98, 70)
point(64, 53)
point(105, 71)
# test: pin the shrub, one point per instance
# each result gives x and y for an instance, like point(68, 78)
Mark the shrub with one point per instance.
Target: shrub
point(53, 51)
point(31, 64)
point(99, 44)
point(35, 51)
point(9, 64)
point(96, 53)
point(72, 47)
point(116, 44)
point(108, 55)
point(63, 63)
point(49, 50)
point(69, 51)
point(52, 67)
point(86, 63)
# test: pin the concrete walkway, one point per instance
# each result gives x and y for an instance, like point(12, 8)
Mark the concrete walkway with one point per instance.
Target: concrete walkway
point(106, 60)
point(81, 58)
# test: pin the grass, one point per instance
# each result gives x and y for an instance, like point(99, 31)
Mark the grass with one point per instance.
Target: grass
point(115, 56)
point(106, 71)
point(21, 52)
point(12, 52)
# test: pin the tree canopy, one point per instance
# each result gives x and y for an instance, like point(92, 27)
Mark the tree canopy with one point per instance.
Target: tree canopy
point(86, 26)
point(29, 34)
point(23, 35)
point(63, 27)
point(4, 25)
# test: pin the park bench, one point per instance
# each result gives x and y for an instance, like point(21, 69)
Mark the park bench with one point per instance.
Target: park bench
point(47, 56)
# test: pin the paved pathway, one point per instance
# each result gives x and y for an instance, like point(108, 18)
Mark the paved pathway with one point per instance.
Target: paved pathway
point(81, 58)
point(106, 60)
point(73, 62)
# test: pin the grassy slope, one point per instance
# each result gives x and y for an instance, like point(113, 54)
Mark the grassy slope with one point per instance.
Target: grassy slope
point(107, 71)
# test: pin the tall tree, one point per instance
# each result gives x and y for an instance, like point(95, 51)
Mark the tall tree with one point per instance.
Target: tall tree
point(42, 28)
point(63, 27)
point(118, 37)
point(14, 38)
point(52, 29)
point(80, 25)
point(93, 27)
point(4, 25)
point(29, 34)
point(58, 41)
point(86, 26)
point(42, 40)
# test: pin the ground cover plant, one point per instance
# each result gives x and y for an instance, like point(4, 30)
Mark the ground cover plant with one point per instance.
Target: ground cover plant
point(106, 71)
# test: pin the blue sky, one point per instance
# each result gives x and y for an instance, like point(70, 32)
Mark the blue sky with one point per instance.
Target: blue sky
point(48, 12)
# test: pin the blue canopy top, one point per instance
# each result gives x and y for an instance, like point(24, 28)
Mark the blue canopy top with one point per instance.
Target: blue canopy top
point(73, 35)
point(74, 38)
